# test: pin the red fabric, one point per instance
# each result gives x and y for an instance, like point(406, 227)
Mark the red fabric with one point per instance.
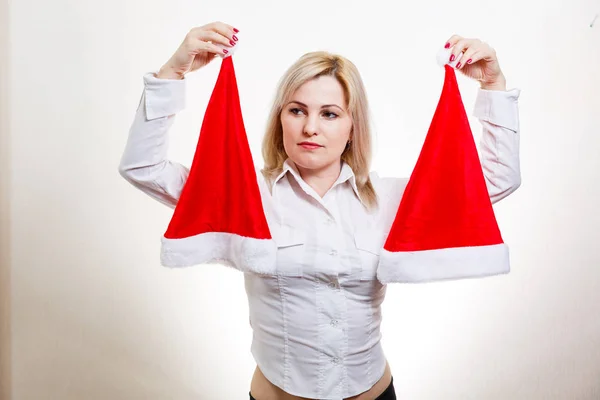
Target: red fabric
point(221, 193)
point(446, 202)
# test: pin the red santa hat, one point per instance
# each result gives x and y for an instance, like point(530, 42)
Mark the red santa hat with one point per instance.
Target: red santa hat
point(445, 227)
point(219, 217)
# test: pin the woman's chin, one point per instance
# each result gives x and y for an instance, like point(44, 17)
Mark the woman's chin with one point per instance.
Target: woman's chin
point(310, 161)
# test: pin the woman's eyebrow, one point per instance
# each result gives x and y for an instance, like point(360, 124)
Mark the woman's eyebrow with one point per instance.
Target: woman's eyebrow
point(323, 106)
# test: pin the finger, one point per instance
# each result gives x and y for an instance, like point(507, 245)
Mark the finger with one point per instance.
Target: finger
point(469, 52)
point(215, 37)
point(461, 46)
point(469, 56)
point(452, 41)
point(206, 33)
point(209, 47)
point(225, 29)
point(484, 52)
point(222, 27)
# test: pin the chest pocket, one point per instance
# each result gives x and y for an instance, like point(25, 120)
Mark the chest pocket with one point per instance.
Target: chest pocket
point(368, 245)
point(291, 251)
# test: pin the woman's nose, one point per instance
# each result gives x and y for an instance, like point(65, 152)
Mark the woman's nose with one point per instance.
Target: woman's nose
point(311, 125)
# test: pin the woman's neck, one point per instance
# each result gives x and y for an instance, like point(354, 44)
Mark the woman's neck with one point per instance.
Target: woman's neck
point(321, 180)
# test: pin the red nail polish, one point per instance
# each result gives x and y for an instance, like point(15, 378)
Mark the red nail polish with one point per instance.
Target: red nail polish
point(235, 38)
point(452, 57)
point(469, 61)
point(458, 65)
point(447, 45)
point(225, 51)
point(232, 42)
point(235, 30)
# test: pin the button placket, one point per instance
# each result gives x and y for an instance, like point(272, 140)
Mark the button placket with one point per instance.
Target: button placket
point(333, 301)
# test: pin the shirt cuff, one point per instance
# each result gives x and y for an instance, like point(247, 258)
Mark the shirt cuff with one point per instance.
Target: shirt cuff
point(164, 97)
point(499, 107)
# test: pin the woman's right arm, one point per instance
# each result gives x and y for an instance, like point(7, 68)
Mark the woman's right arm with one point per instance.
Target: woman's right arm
point(144, 162)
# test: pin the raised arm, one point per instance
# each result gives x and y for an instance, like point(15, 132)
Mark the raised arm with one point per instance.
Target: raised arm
point(498, 113)
point(144, 162)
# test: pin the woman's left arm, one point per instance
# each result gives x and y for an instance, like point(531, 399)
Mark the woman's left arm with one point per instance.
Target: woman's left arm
point(497, 110)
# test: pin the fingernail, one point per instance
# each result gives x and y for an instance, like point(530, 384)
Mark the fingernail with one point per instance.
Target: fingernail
point(225, 51)
point(452, 57)
point(447, 45)
point(458, 65)
point(235, 38)
point(232, 42)
point(235, 30)
point(469, 60)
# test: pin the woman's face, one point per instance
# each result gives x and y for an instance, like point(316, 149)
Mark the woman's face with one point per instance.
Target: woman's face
point(316, 113)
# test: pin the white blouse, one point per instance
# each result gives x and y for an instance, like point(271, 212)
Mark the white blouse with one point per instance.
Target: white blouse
point(316, 323)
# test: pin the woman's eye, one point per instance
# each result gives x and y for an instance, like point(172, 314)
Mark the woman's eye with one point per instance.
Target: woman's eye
point(328, 114)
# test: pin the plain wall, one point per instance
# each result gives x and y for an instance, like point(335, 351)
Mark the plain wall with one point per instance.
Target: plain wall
point(5, 165)
point(94, 315)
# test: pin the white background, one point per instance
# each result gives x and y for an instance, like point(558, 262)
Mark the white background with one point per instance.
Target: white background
point(88, 312)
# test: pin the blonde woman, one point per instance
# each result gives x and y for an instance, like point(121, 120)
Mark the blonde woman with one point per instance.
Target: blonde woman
point(316, 323)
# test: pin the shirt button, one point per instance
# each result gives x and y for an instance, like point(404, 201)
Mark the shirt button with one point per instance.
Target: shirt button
point(335, 360)
point(334, 323)
point(333, 285)
point(333, 252)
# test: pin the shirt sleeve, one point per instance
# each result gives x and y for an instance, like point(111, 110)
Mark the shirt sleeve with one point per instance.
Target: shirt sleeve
point(498, 114)
point(144, 161)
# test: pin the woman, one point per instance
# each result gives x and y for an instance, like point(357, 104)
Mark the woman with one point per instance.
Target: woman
point(317, 321)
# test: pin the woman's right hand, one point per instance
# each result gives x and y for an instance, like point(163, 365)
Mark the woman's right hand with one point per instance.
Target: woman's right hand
point(198, 49)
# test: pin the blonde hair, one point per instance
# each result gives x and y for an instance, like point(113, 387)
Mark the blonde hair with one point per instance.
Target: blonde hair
point(358, 154)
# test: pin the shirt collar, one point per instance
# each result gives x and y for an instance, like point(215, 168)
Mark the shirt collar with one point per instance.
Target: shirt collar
point(346, 174)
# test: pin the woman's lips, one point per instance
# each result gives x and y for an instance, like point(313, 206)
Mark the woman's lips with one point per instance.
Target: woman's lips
point(310, 146)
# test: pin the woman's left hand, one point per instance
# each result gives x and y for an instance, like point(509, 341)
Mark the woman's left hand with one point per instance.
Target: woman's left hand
point(478, 62)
